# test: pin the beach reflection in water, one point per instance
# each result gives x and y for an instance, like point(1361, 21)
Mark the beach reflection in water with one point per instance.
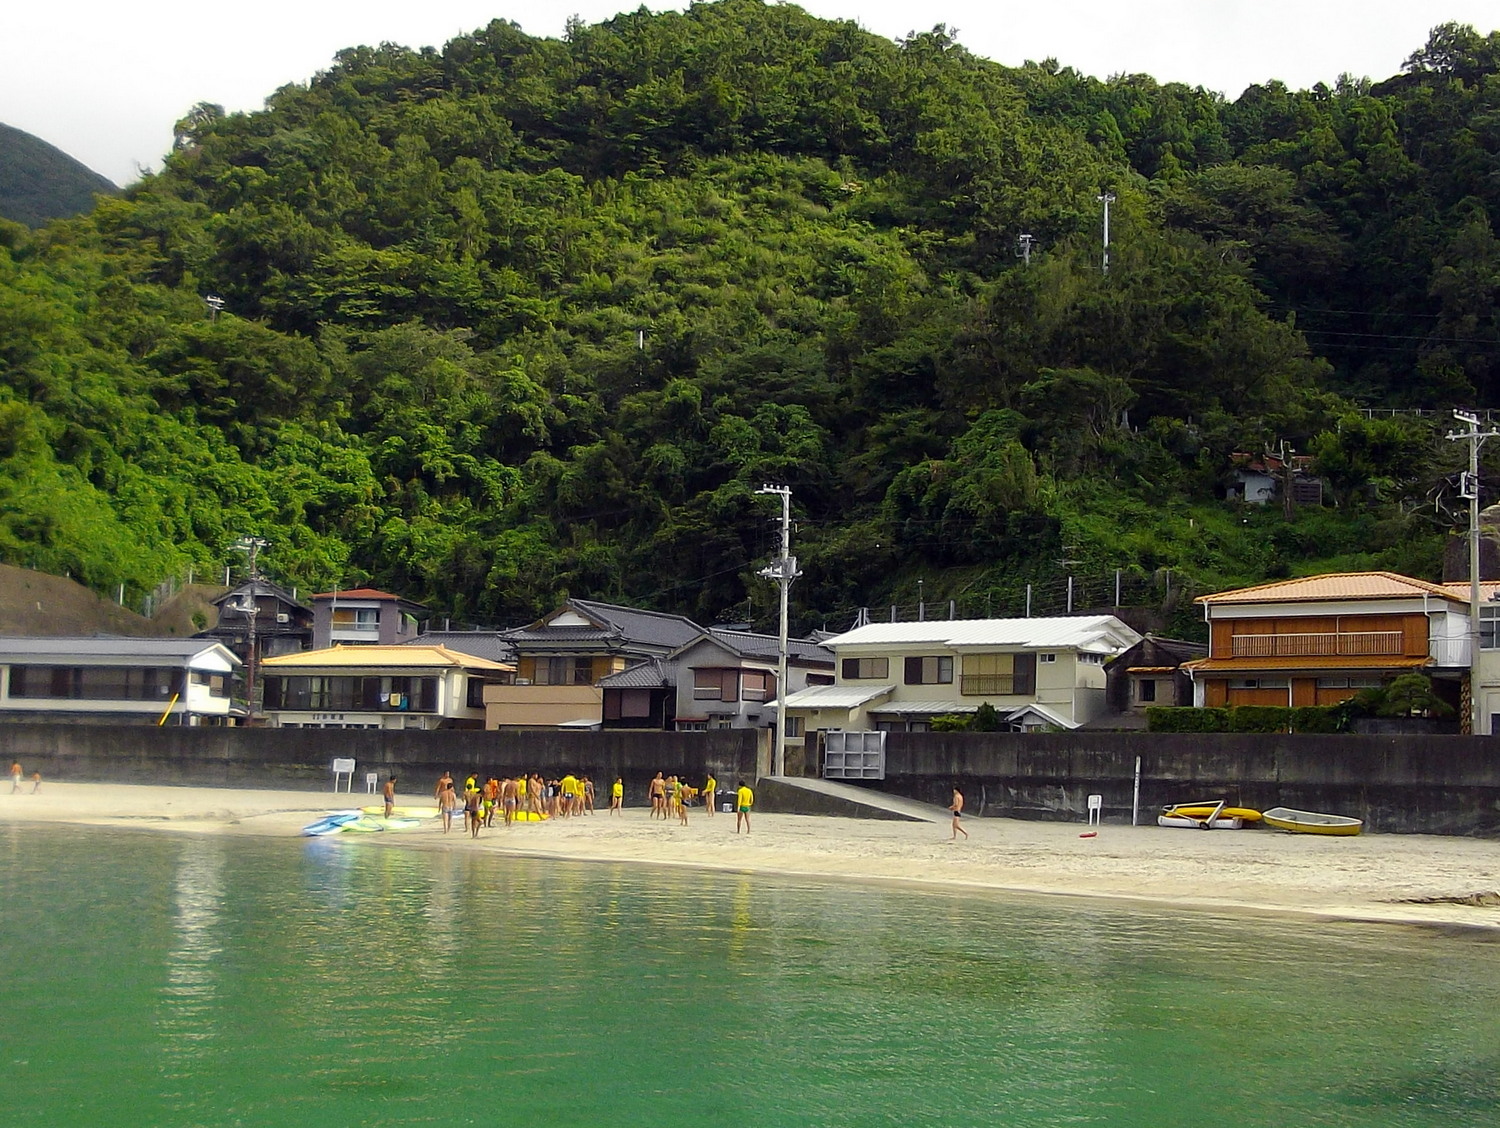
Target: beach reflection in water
point(271, 982)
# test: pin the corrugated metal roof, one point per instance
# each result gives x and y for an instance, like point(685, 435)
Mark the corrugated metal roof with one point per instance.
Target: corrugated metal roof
point(923, 708)
point(1333, 586)
point(405, 656)
point(1283, 665)
point(1051, 716)
point(833, 696)
point(79, 650)
point(1067, 632)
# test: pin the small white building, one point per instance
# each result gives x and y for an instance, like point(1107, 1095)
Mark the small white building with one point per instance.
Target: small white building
point(1037, 673)
point(133, 680)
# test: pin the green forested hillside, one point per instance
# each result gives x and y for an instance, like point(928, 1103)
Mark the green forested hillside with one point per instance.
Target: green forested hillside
point(523, 317)
point(39, 181)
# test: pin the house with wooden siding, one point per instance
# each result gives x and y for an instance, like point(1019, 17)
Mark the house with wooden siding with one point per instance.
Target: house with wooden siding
point(1319, 640)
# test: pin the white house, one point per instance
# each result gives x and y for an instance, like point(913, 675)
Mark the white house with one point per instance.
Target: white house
point(140, 680)
point(1037, 673)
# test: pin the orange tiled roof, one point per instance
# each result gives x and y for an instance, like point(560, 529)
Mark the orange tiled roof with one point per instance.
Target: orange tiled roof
point(382, 657)
point(1334, 586)
point(1315, 662)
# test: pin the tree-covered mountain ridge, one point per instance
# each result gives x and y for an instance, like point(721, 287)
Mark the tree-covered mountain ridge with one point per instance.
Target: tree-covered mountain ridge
point(525, 317)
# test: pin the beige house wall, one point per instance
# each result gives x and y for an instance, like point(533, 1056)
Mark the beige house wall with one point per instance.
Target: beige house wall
point(541, 706)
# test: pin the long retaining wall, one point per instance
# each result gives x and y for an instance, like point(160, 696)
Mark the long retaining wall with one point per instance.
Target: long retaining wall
point(1396, 783)
point(301, 759)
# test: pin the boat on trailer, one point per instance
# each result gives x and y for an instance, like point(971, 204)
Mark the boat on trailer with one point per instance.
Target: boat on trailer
point(1311, 822)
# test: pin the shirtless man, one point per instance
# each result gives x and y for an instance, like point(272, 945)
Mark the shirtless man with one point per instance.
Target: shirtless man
point(447, 802)
point(443, 783)
point(957, 807)
point(390, 796)
point(658, 792)
point(15, 777)
point(509, 795)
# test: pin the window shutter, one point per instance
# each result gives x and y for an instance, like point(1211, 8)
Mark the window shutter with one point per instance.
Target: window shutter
point(851, 669)
point(914, 671)
point(1025, 674)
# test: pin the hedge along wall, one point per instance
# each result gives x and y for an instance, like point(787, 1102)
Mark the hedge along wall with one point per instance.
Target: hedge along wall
point(1245, 718)
point(1396, 783)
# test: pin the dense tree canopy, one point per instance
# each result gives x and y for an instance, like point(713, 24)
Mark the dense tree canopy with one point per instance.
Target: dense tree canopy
point(523, 317)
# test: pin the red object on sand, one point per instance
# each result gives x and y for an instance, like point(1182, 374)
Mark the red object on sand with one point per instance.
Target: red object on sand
point(1089, 834)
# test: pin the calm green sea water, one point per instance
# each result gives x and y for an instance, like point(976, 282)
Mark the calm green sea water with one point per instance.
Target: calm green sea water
point(161, 980)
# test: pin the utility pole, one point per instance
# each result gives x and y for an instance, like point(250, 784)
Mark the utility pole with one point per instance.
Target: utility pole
point(783, 571)
point(1024, 243)
point(1470, 489)
point(1106, 198)
point(251, 547)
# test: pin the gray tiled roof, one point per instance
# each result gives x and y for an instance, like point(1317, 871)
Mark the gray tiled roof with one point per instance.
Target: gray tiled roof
point(481, 644)
point(620, 626)
point(262, 588)
point(748, 645)
point(17, 649)
point(645, 675)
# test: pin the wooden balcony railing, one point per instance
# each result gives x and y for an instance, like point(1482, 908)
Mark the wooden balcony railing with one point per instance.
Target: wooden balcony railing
point(996, 685)
point(1319, 644)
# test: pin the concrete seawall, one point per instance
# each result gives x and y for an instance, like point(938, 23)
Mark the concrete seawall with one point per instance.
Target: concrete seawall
point(1396, 783)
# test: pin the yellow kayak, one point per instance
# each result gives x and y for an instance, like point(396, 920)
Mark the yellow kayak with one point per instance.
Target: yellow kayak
point(403, 812)
point(1204, 810)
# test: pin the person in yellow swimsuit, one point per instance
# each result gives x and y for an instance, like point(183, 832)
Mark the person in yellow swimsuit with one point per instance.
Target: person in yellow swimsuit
point(616, 795)
point(710, 786)
point(744, 799)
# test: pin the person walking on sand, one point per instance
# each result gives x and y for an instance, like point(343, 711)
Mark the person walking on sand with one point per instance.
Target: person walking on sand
point(744, 799)
point(616, 794)
point(710, 786)
point(15, 776)
point(444, 781)
point(448, 803)
point(390, 796)
point(36, 782)
point(957, 807)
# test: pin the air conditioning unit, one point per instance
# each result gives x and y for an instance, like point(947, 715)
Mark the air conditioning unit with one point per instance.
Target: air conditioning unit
point(523, 681)
point(283, 617)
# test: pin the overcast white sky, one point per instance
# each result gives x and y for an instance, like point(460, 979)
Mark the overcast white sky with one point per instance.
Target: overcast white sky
point(106, 81)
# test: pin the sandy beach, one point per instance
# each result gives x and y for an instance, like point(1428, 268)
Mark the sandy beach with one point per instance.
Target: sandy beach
point(1414, 879)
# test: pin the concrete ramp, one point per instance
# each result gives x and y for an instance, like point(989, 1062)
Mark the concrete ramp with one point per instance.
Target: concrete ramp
point(793, 795)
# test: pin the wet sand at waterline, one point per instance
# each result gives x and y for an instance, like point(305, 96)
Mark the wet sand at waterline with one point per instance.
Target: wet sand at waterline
point(1420, 879)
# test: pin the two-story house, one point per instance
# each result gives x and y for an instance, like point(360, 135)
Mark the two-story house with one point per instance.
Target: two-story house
point(279, 623)
point(364, 617)
point(379, 687)
point(1318, 640)
point(1037, 673)
point(116, 680)
point(563, 656)
point(720, 679)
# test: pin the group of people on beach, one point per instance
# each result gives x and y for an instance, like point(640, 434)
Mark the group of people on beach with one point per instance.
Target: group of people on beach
point(531, 798)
